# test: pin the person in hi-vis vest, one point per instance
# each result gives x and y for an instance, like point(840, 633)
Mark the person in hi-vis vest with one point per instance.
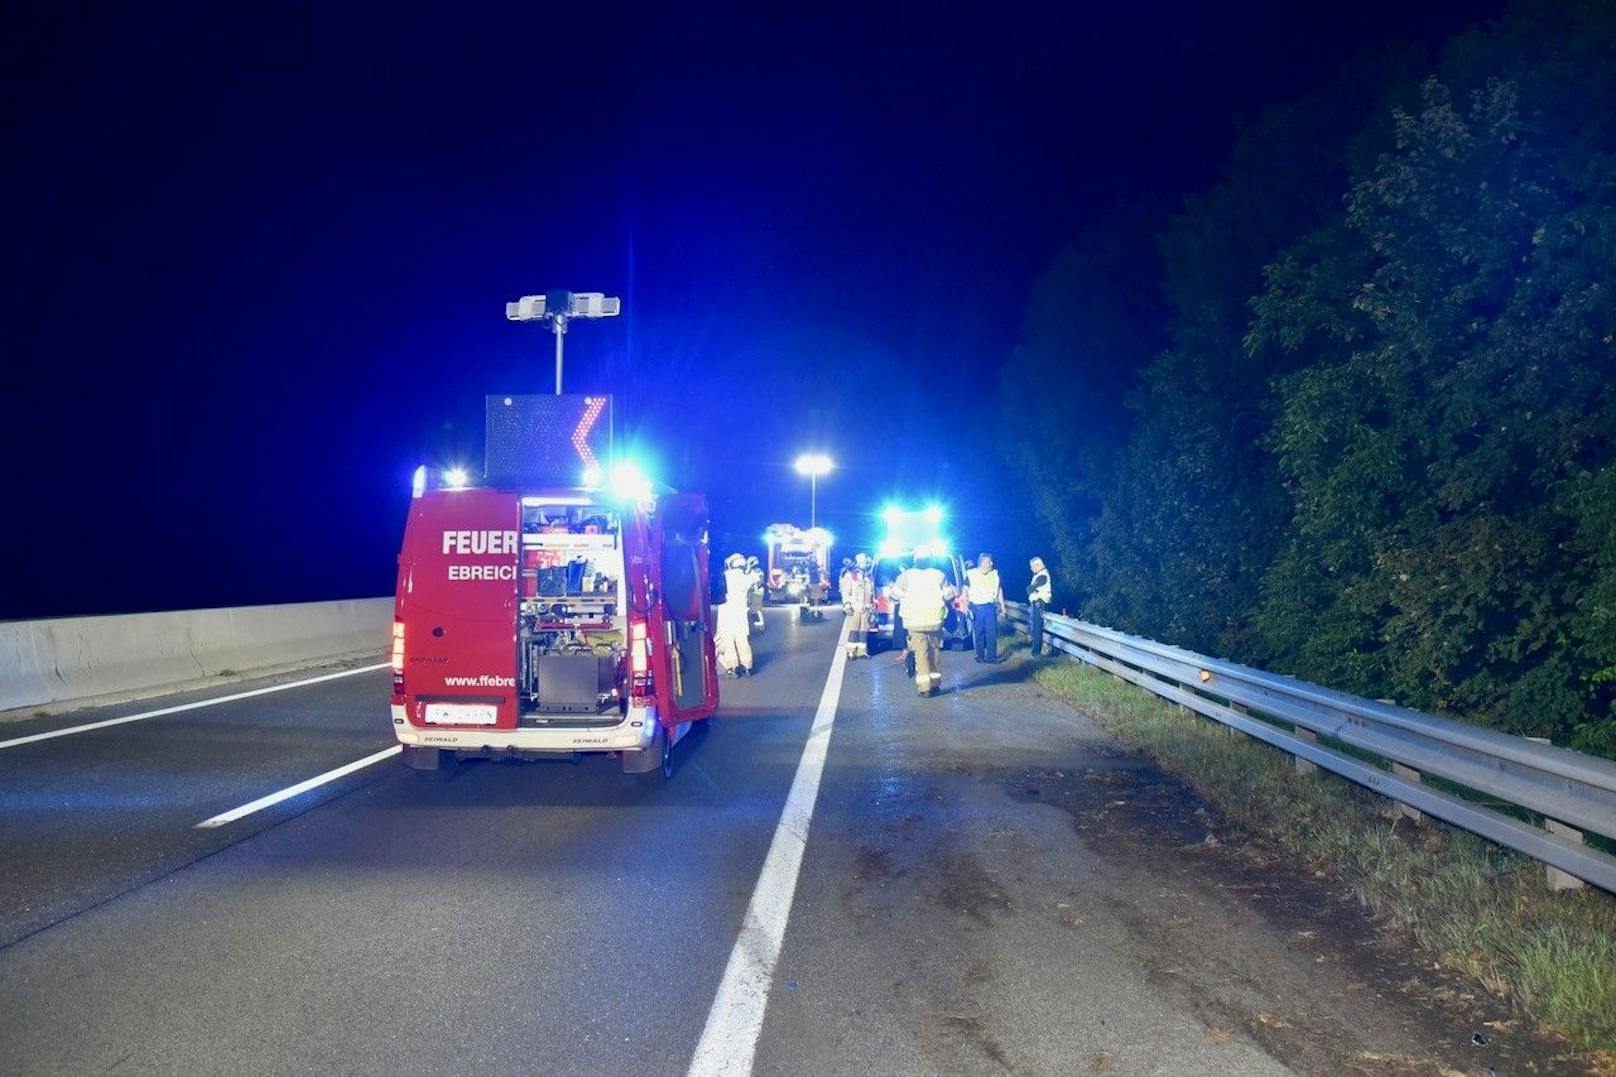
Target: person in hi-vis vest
point(734, 625)
point(923, 593)
point(1039, 596)
point(858, 594)
point(986, 597)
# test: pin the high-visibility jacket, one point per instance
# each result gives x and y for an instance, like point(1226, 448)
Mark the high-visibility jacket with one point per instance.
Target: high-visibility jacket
point(982, 587)
point(923, 595)
point(858, 590)
point(732, 615)
point(1039, 590)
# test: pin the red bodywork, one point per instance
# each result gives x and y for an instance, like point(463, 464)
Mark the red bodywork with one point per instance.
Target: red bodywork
point(461, 583)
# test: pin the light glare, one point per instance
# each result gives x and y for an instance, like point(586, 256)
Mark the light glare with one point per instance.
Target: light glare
point(814, 464)
point(630, 483)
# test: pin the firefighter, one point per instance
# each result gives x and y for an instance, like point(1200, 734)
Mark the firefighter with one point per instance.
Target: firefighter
point(1039, 595)
point(924, 593)
point(985, 594)
point(858, 593)
point(734, 629)
point(843, 582)
point(754, 597)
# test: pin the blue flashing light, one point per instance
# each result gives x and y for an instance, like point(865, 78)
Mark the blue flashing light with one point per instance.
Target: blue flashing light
point(418, 482)
point(891, 514)
point(456, 478)
point(934, 514)
point(630, 483)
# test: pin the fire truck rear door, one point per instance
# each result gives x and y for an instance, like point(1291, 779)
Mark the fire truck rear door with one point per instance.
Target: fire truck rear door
point(460, 631)
point(692, 662)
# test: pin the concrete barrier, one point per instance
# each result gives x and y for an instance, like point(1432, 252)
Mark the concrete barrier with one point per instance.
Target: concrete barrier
point(76, 658)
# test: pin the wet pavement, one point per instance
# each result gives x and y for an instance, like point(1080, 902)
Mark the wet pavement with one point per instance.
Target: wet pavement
point(990, 885)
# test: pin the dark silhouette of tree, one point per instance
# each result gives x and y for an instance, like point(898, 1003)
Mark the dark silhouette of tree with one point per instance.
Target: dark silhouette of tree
point(1379, 446)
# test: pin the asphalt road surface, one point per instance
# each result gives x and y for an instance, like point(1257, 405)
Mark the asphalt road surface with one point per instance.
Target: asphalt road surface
point(988, 885)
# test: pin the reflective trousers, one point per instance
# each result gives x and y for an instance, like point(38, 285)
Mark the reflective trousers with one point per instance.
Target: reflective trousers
point(858, 633)
point(731, 640)
point(926, 647)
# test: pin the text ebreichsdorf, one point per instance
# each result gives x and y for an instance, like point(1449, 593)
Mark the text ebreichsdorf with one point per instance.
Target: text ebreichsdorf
point(482, 572)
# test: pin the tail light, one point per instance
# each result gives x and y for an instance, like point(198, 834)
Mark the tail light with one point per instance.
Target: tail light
point(398, 657)
point(640, 684)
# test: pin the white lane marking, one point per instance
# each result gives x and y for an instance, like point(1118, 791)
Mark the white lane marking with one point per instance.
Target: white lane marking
point(729, 1040)
point(301, 787)
point(215, 701)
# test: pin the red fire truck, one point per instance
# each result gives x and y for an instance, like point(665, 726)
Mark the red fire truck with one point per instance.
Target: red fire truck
point(540, 619)
point(798, 565)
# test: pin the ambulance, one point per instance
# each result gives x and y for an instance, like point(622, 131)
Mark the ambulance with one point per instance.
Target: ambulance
point(557, 606)
point(911, 533)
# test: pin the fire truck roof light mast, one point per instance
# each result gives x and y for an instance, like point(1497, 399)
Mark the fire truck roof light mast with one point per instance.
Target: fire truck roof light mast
point(558, 308)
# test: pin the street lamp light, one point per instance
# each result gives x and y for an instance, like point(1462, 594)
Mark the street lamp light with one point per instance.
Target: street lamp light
point(558, 308)
point(813, 465)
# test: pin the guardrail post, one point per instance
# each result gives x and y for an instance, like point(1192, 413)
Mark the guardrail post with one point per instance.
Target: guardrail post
point(1399, 808)
point(1559, 880)
point(1303, 767)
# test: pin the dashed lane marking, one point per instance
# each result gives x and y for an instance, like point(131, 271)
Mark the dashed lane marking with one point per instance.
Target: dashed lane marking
point(293, 790)
point(34, 738)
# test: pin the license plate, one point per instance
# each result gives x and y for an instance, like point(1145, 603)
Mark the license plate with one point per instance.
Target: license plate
point(462, 714)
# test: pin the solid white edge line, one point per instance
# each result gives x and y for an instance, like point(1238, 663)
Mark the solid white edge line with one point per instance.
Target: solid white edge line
point(197, 705)
point(293, 790)
point(735, 1021)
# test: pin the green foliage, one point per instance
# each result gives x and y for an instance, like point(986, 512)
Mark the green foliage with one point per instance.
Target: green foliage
point(1063, 434)
point(1190, 511)
point(1460, 385)
point(1379, 448)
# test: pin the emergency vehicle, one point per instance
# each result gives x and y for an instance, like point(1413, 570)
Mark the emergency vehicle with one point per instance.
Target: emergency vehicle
point(559, 606)
point(798, 568)
point(912, 532)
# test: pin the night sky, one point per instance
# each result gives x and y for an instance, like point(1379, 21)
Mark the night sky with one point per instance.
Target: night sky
point(258, 254)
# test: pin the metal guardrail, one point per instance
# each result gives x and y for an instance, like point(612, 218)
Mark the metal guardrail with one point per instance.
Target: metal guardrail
point(1571, 792)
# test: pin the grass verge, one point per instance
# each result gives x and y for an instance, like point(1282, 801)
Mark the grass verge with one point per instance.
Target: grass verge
point(1484, 910)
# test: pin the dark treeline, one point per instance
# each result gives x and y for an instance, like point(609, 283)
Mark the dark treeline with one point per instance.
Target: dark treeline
point(1355, 417)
